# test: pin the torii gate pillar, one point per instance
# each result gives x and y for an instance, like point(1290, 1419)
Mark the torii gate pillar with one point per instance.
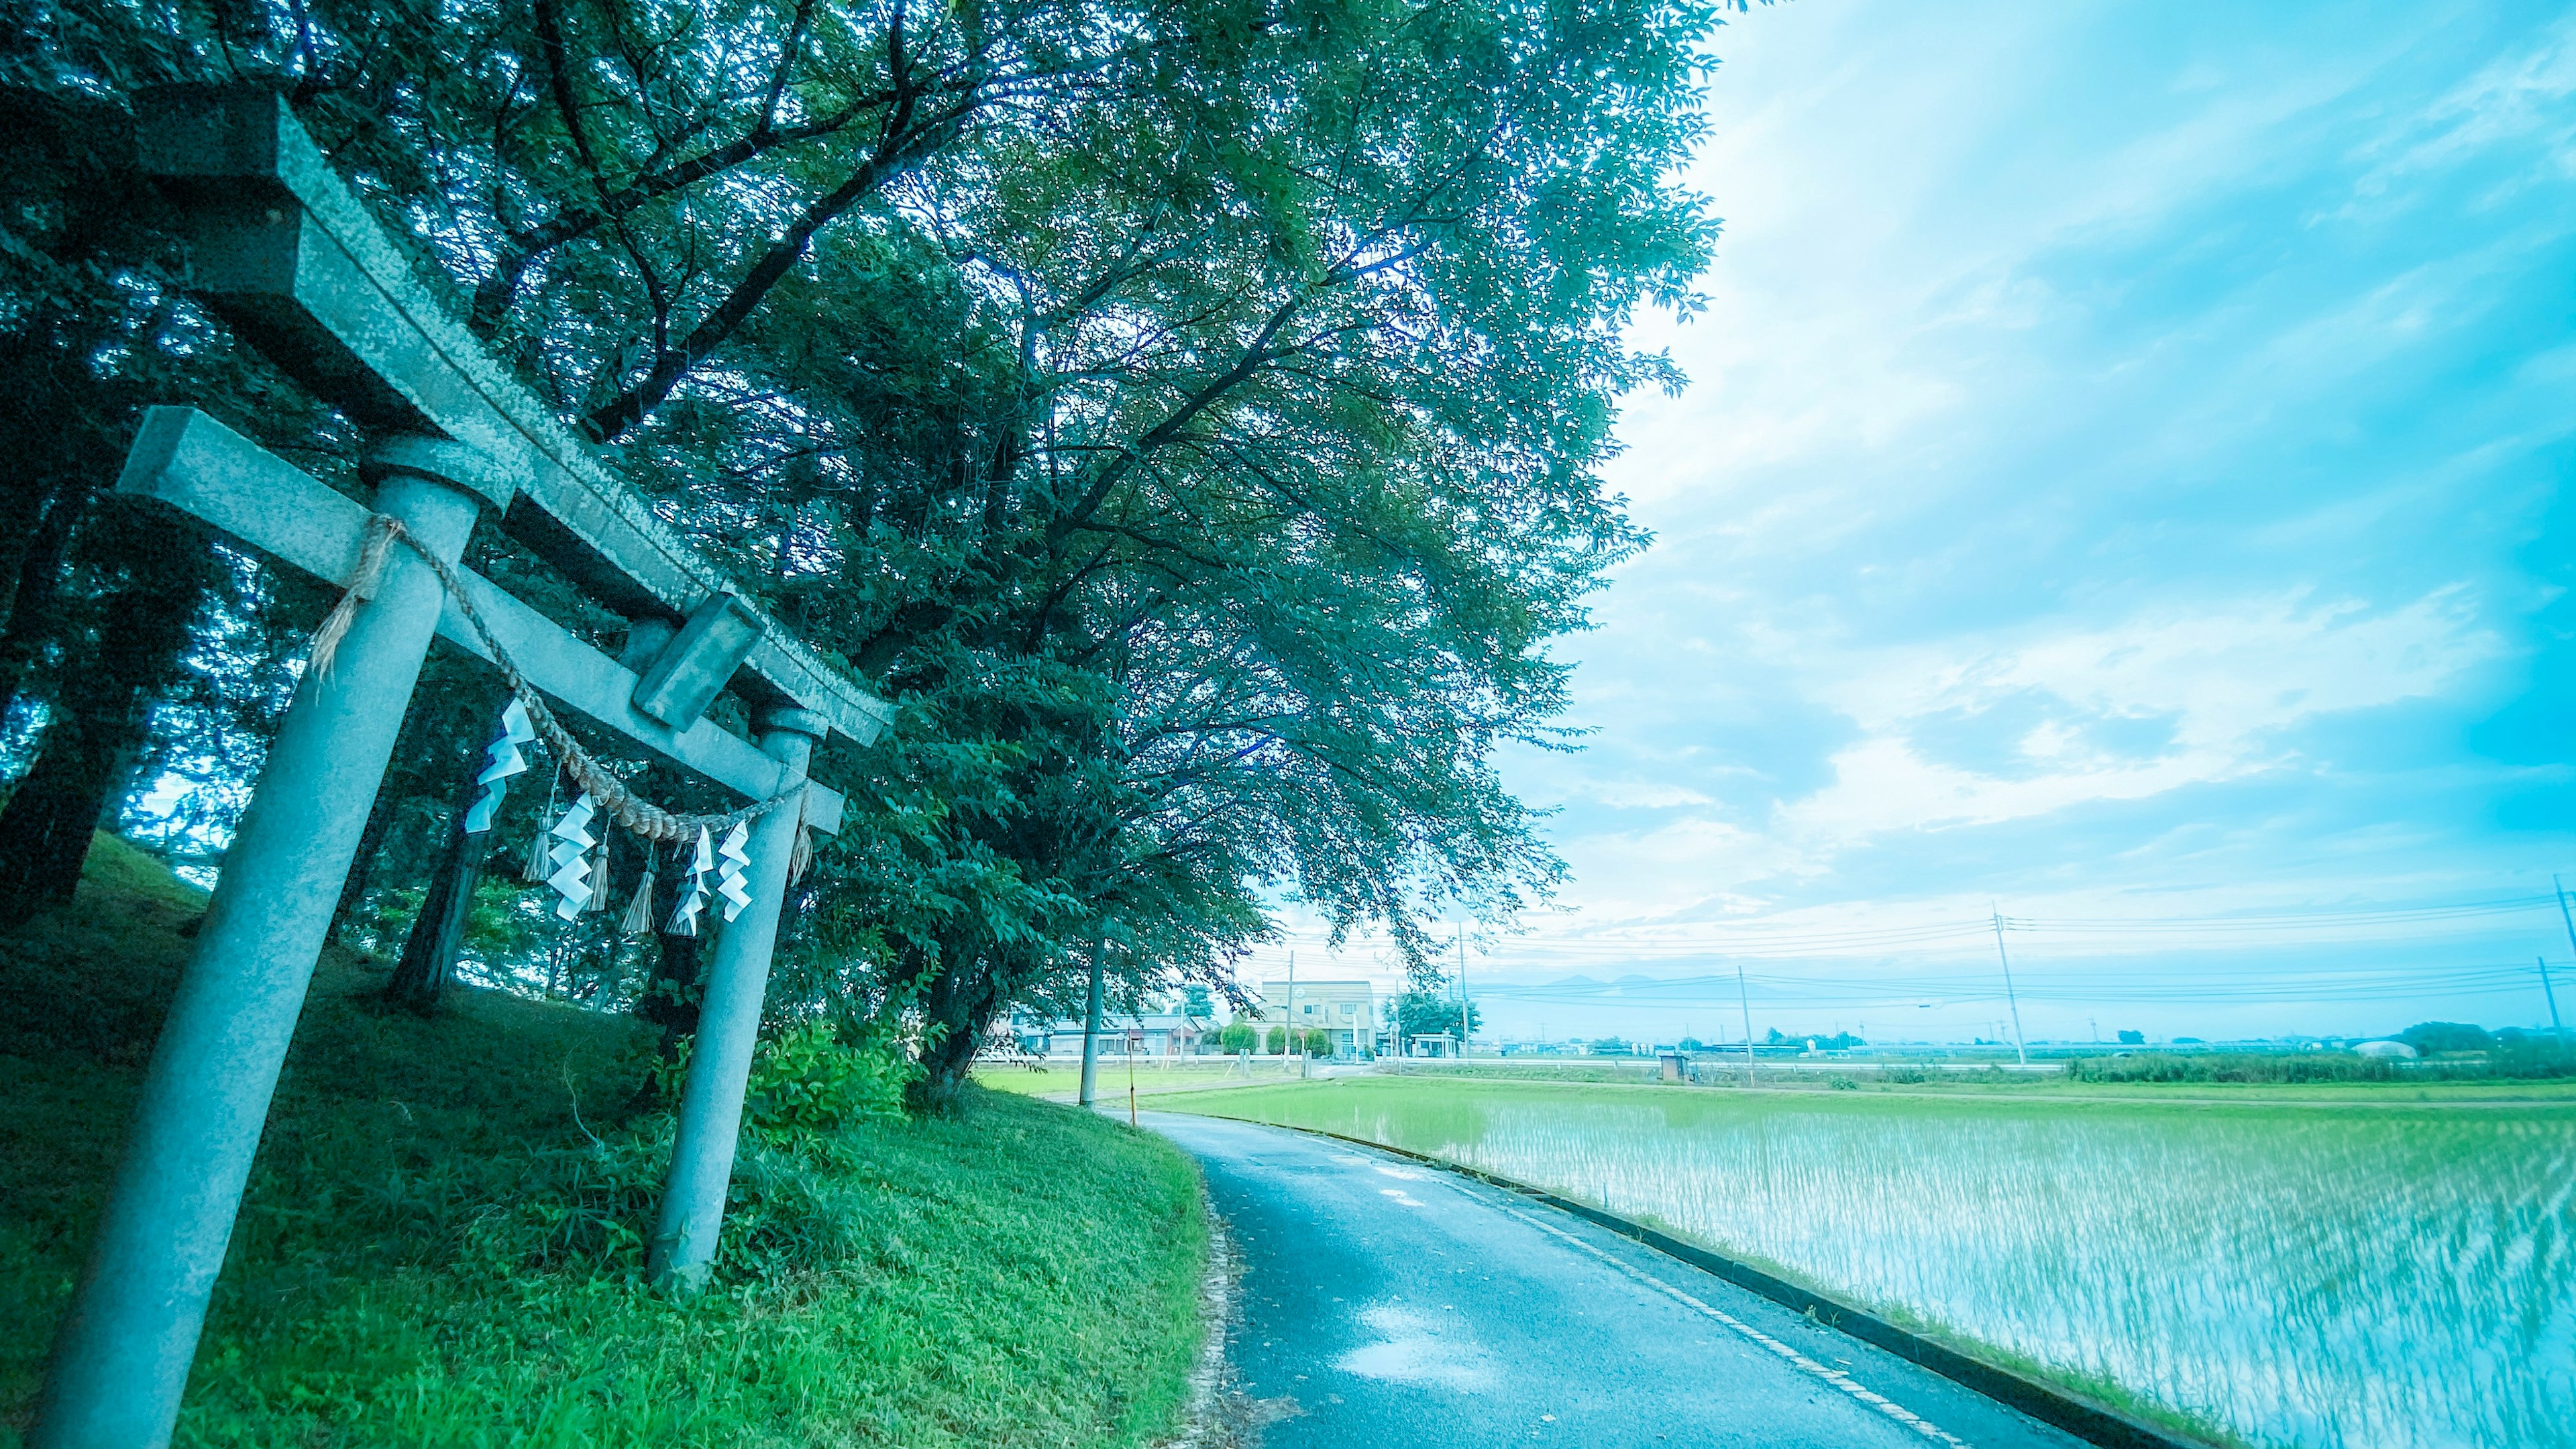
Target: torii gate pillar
point(122, 1354)
point(702, 1151)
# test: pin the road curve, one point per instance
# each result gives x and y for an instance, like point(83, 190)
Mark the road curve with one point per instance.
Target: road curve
point(1397, 1305)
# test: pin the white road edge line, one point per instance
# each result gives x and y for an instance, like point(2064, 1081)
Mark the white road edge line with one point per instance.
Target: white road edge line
point(1833, 1376)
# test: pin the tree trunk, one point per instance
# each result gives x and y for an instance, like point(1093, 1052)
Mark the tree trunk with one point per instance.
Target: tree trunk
point(35, 612)
point(102, 715)
point(371, 844)
point(670, 1000)
point(429, 953)
point(965, 1010)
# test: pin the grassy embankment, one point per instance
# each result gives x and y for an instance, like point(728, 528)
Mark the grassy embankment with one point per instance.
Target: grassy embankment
point(1150, 1076)
point(2338, 1265)
point(437, 1251)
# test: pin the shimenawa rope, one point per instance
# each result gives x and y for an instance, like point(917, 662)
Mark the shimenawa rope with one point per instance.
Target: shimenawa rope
point(641, 816)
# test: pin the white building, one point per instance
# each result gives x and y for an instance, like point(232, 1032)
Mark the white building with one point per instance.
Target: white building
point(1347, 1010)
point(1166, 1027)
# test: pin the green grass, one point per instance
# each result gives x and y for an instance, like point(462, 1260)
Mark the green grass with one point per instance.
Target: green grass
point(1186, 1075)
point(435, 1250)
point(2330, 1265)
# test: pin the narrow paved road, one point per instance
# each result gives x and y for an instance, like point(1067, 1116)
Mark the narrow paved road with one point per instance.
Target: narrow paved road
point(1400, 1305)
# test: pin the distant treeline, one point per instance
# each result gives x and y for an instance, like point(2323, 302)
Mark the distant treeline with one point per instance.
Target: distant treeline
point(2512, 1054)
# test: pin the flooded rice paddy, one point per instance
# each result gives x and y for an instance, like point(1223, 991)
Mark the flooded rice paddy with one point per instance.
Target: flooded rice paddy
point(2370, 1272)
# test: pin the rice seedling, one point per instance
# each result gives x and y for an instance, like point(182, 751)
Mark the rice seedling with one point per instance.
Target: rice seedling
point(2370, 1272)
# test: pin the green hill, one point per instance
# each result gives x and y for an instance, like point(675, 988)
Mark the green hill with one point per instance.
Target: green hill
point(443, 1238)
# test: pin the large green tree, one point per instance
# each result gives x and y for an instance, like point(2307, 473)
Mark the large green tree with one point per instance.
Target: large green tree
point(1189, 411)
point(1281, 410)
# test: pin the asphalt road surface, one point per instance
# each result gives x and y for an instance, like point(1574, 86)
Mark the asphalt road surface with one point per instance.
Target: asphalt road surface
point(1385, 1304)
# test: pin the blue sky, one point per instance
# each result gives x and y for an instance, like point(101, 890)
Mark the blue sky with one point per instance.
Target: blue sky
point(2120, 483)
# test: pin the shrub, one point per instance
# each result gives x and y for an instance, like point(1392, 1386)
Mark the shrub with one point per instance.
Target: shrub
point(2231, 1067)
point(2529, 1054)
point(805, 1081)
point(2434, 1037)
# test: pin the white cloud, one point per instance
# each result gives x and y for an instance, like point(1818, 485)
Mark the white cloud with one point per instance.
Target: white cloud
point(2237, 681)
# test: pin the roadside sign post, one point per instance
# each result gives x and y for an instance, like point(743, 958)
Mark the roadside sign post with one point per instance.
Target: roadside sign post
point(1135, 1044)
point(284, 253)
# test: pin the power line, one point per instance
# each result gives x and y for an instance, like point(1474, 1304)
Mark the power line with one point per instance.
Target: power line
point(2348, 984)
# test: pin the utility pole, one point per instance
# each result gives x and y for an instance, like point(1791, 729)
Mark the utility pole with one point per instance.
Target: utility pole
point(2544, 966)
point(1294, 1045)
point(1462, 992)
point(1091, 1032)
point(2562, 911)
point(1744, 1001)
point(2010, 999)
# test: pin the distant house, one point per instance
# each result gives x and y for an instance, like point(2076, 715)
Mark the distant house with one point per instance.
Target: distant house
point(1346, 1011)
point(1150, 1033)
point(2386, 1050)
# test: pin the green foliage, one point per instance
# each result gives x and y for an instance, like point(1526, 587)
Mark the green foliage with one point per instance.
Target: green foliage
point(2433, 1038)
point(1317, 1043)
point(2531, 1056)
point(1191, 415)
point(805, 1082)
point(1841, 1041)
point(1276, 1042)
point(1239, 1036)
point(1427, 1012)
point(2231, 1067)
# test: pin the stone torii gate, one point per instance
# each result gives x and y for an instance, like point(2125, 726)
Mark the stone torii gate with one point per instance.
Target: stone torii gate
point(283, 251)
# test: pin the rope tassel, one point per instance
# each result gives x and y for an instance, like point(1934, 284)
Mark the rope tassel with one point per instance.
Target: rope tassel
point(599, 878)
point(381, 533)
point(537, 868)
point(639, 911)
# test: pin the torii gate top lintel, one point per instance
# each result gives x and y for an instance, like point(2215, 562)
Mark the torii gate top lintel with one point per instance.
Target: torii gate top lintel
point(292, 260)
